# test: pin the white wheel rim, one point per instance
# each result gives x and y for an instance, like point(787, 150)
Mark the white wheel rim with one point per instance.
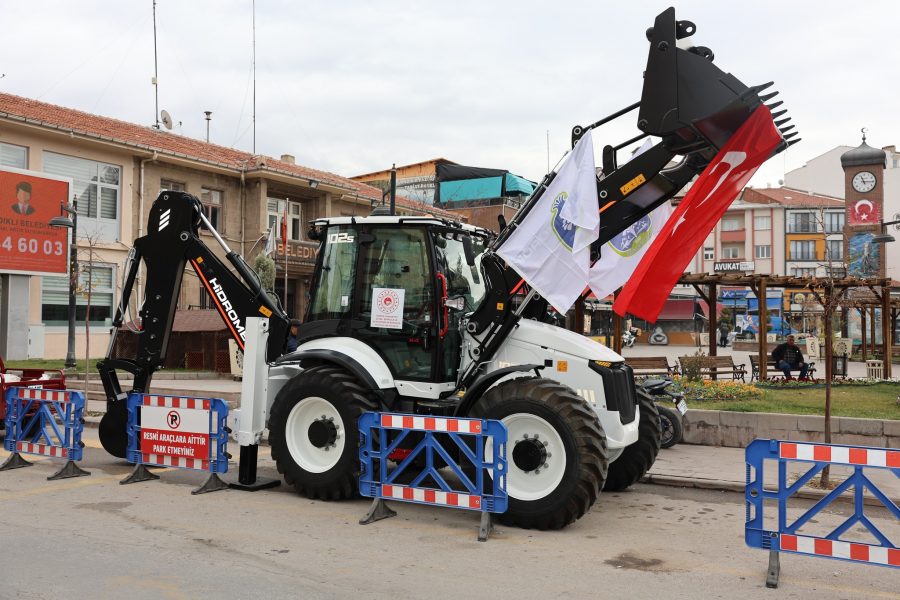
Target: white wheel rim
point(307, 455)
point(538, 483)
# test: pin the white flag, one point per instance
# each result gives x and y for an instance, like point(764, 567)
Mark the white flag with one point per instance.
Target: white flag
point(551, 252)
point(270, 242)
point(619, 257)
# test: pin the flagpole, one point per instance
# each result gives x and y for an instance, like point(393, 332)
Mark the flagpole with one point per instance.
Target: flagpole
point(284, 241)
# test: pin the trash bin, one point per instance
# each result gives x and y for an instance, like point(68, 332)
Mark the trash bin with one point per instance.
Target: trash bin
point(874, 369)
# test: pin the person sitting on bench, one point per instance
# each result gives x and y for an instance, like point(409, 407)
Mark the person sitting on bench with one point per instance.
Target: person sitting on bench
point(788, 357)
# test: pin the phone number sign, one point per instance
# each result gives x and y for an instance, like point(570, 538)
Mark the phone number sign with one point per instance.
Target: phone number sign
point(28, 244)
point(179, 432)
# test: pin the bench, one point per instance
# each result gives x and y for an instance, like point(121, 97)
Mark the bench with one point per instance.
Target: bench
point(772, 371)
point(716, 365)
point(651, 365)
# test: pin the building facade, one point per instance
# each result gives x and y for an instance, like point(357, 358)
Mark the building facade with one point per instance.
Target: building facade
point(117, 170)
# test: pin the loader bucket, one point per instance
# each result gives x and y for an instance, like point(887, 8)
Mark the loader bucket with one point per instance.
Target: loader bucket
point(687, 100)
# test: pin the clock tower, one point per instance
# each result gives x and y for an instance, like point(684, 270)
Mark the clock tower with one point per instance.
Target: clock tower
point(864, 196)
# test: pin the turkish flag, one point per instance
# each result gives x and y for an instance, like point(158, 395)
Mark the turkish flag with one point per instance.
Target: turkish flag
point(284, 229)
point(693, 219)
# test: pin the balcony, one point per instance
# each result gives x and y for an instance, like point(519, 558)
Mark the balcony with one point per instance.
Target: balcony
point(735, 235)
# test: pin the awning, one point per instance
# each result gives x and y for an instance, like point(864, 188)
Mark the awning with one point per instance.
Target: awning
point(677, 309)
point(514, 183)
point(704, 308)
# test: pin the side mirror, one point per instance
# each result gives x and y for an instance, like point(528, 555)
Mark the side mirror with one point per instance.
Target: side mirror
point(455, 303)
point(468, 251)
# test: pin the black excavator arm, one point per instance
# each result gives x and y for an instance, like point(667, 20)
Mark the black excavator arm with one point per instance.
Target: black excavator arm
point(173, 242)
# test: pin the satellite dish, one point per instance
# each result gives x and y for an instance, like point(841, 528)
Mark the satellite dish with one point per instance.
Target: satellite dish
point(166, 119)
point(896, 218)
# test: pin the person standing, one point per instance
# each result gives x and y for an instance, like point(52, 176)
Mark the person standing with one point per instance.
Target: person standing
point(788, 357)
point(723, 334)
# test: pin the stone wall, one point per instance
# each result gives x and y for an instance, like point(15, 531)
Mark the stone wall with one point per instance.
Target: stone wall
point(737, 429)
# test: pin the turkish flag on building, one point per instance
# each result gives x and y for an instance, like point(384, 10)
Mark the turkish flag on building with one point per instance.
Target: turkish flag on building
point(284, 226)
point(702, 207)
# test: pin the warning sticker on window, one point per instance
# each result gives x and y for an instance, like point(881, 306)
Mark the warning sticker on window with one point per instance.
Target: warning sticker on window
point(387, 308)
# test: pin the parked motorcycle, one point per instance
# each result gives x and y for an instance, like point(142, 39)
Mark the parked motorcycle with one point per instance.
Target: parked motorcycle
point(629, 337)
point(670, 419)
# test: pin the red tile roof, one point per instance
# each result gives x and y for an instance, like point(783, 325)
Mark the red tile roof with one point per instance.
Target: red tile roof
point(51, 116)
point(789, 198)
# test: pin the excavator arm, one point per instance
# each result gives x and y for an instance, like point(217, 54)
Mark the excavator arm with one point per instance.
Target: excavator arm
point(172, 243)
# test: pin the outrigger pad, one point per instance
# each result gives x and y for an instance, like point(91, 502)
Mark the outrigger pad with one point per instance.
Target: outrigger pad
point(15, 461)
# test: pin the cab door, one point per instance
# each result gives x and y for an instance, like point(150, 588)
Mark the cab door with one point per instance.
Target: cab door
point(396, 298)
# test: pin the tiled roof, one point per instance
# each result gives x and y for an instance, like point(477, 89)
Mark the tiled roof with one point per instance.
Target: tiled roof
point(788, 198)
point(51, 116)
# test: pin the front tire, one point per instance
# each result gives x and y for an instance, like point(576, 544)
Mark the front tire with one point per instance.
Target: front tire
point(671, 428)
point(636, 459)
point(557, 456)
point(314, 435)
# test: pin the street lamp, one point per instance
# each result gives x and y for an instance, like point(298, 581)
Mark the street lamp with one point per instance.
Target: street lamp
point(884, 237)
point(67, 223)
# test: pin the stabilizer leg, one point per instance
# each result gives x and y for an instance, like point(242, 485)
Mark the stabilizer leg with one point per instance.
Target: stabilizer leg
point(486, 527)
point(247, 479)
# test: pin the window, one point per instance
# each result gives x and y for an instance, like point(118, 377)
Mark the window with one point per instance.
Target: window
point(708, 254)
point(803, 250)
point(732, 224)
point(55, 297)
point(837, 272)
point(14, 156)
point(167, 185)
point(835, 249)
point(762, 251)
point(97, 188)
point(801, 223)
point(734, 251)
point(834, 222)
point(803, 271)
point(211, 200)
point(762, 223)
point(275, 209)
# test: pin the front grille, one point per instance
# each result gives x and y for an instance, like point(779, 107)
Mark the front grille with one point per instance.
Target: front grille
point(618, 387)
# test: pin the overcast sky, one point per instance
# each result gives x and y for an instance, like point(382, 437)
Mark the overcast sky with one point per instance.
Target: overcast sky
point(352, 86)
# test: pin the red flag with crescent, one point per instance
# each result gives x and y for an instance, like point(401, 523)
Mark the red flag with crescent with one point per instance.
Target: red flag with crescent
point(696, 215)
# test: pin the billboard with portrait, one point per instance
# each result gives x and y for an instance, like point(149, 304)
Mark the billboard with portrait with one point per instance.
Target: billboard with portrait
point(28, 244)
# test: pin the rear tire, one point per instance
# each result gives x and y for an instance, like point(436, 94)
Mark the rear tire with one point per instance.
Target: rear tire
point(313, 431)
point(636, 459)
point(671, 428)
point(554, 481)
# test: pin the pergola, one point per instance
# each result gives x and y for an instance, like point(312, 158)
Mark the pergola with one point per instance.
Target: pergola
point(866, 300)
point(829, 292)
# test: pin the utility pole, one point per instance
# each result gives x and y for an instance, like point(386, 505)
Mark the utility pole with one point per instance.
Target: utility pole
point(393, 189)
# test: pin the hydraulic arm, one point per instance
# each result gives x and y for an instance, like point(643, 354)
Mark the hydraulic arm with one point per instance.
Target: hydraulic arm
point(171, 243)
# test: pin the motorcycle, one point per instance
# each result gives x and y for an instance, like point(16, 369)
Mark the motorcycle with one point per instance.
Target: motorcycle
point(670, 420)
point(629, 337)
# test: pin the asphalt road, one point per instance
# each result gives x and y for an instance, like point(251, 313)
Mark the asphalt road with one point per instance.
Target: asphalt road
point(93, 538)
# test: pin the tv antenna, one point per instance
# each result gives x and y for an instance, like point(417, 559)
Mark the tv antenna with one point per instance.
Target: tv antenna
point(166, 119)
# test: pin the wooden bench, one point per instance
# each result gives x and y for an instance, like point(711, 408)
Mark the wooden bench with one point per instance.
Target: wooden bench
point(772, 371)
point(716, 365)
point(651, 365)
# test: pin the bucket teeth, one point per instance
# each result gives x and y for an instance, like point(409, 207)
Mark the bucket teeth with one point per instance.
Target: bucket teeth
point(781, 122)
point(759, 88)
point(788, 136)
point(792, 142)
point(768, 96)
point(784, 130)
point(775, 104)
point(778, 113)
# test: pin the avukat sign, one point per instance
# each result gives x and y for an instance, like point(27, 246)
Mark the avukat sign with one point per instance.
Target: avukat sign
point(685, 231)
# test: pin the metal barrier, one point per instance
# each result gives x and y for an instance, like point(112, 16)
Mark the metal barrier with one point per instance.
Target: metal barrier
point(480, 445)
point(174, 431)
point(790, 535)
point(45, 423)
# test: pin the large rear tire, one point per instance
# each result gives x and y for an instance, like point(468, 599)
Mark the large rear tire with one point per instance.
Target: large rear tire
point(314, 434)
point(556, 451)
point(636, 459)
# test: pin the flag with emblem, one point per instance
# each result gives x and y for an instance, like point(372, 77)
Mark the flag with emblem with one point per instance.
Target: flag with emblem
point(550, 248)
point(696, 215)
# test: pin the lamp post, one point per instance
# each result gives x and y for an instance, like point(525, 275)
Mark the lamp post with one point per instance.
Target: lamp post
point(67, 223)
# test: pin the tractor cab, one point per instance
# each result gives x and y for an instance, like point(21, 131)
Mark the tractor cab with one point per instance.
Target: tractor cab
point(401, 285)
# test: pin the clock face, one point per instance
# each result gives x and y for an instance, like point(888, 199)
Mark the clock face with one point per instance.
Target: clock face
point(863, 182)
